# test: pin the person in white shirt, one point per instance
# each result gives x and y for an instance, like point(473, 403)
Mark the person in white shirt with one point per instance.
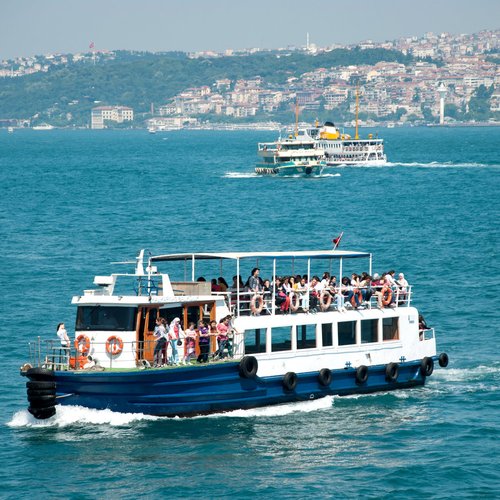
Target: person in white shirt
point(63, 335)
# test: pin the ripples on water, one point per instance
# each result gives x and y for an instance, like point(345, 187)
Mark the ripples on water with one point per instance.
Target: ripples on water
point(74, 201)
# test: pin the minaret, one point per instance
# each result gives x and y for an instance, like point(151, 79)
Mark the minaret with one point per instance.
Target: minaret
point(307, 42)
point(442, 93)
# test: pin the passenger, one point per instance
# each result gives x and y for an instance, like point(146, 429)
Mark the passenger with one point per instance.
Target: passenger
point(190, 344)
point(325, 280)
point(281, 297)
point(402, 285)
point(254, 283)
point(366, 288)
point(287, 287)
point(377, 285)
point(215, 286)
point(212, 330)
point(160, 334)
point(222, 337)
point(63, 336)
point(354, 292)
point(175, 334)
point(201, 279)
point(203, 341)
point(222, 284)
point(266, 288)
point(298, 278)
point(422, 326)
point(389, 278)
point(314, 289)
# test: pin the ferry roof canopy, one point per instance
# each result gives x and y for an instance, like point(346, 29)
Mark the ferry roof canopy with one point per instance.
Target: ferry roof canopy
point(302, 254)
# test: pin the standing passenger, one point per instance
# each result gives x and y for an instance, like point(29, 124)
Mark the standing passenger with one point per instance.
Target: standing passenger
point(174, 334)
point(203, 341)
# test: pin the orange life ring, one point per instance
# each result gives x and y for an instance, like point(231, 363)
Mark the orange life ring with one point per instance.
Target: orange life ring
point(386, 295)
point(325, 300)
point(360, 297)
point(257, 304)
point(82, 344)
point(114, 345)
point(294, 301)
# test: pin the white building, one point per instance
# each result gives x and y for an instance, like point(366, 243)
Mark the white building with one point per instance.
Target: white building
point(118, 114)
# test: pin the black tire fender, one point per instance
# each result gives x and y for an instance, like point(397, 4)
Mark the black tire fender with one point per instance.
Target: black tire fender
point(392, 372)
point(427, 366)
point(40, 374)
point(361, 374)
point(443, 360)
point(325, 377)
point(36, 384)
point(42, 413)
point(248, 367)
point(41, 392)
point(290, 381)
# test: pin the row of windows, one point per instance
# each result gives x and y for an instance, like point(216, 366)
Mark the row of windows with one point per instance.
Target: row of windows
point(305, 335)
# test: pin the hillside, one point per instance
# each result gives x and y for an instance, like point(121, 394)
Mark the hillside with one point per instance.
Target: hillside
point(65, 94)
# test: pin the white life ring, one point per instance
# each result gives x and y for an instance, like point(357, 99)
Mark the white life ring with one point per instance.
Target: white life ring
point(257, 304)
point(294, 301)
point(325, 300)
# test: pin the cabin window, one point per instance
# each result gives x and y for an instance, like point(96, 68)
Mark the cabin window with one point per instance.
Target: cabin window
point(327, 333)
point(390, 328)
point(106, 318)
point(281, 338)
point(369, 331)
point(306, 336)
point(347, 332)
point(255, 341)
point(169, 314)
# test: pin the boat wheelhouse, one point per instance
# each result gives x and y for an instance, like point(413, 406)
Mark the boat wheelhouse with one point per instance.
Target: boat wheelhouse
point(290, 156)
point(274, 355)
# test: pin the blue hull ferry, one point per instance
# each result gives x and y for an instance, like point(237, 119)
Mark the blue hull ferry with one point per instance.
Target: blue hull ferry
point(269, 343)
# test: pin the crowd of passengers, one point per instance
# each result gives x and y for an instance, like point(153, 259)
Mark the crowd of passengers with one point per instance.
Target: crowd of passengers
point(293, 292)
point(192, 344)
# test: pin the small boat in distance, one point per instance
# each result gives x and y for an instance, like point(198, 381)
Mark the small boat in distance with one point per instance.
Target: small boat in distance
point(275, 346)
point(43, 126)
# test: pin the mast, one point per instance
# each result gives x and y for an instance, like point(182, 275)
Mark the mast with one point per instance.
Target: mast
point(296, 118)
point(356, 135)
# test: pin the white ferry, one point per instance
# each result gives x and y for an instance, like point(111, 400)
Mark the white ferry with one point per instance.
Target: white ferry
point(341, 149)
point(273, 355)
point(43, 126)
point(291, 156)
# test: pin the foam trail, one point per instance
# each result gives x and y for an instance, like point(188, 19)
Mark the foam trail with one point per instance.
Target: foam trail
point(435, 164)
point(71, 415)
point(240, 175)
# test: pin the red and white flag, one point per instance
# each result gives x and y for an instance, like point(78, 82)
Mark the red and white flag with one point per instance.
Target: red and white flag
point(336, 241)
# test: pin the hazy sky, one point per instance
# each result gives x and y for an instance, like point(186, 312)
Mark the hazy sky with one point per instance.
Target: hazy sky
point(29, 27)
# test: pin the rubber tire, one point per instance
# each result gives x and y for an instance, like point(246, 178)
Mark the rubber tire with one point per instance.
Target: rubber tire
point(290, 381)
point(361, 374)
point(427, 367)
point(248, 367)
point(42, 403)
point(40, 374)
point(42, 413)
point(34, 400)
point(443, 360)
point(41, 392)
point(391, 372)
point(36, 384)
point(325, 377)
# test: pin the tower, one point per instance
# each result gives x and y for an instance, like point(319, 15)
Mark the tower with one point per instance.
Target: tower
point(307, 41)
point(442, 93)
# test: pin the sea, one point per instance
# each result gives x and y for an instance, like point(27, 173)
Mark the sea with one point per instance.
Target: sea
point(74, 201)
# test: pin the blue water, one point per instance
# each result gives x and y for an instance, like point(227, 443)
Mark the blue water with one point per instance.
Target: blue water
point(73, 201)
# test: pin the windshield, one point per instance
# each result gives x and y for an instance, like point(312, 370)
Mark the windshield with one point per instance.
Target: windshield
point(109, 318)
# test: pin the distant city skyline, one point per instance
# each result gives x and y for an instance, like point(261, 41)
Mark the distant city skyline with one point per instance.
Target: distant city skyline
point(29, 27)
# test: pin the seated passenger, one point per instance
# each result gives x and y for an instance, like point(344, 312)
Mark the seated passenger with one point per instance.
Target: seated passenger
point(222, 284)
point(215, 286)
point(281, 297)
point(402, 285)
point(314, 288)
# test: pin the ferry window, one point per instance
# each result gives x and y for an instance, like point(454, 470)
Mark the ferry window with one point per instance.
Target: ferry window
point(170, 313)
point(255, 341)
point(106, 318)
point(390, 329)
point(369, 329)
point(306, 336)
point(347, 332)
point(326, 331)
point(281, 338)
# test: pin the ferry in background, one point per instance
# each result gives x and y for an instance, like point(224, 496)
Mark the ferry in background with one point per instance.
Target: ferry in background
point(290, 156)
point(321, 345)
point(43, 126)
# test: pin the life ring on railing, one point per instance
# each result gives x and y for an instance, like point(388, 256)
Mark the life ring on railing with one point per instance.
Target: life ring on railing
point(257, 304)
point(359, 295)
point(114, 345)
point(82, 344)
point(325, 300)
point(294, 301)
point(386, 295)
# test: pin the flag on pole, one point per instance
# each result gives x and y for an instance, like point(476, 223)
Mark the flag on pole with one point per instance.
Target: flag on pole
point(91, 46)
point(336, 241)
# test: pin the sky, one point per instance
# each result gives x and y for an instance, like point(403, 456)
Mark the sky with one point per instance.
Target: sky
point(31, 27)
